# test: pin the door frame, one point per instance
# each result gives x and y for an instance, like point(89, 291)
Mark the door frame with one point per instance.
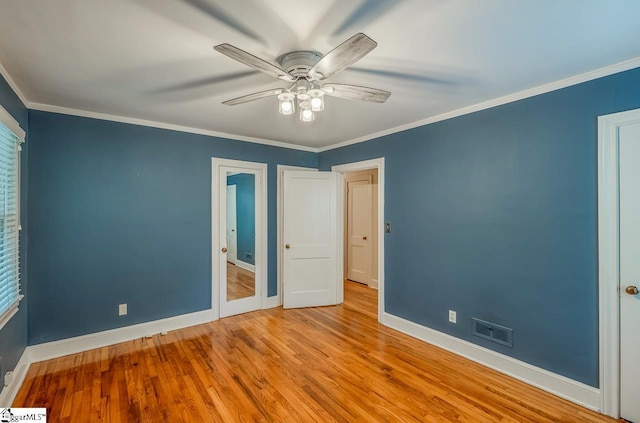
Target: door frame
point(261, 253)
point(351, 167)
point(280, 179)
point(609, 257)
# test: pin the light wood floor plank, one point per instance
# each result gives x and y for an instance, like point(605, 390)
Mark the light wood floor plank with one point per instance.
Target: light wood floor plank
point(326, 364)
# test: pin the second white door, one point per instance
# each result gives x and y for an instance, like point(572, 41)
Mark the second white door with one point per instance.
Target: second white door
point(312, 265)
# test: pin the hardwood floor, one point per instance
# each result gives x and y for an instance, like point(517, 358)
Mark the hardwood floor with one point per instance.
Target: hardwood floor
point(241, 283)
point(307, 365)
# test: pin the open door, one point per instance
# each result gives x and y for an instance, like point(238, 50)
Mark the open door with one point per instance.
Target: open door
point(312, 265)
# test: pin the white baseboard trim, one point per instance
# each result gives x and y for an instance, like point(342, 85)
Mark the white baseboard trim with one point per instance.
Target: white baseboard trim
point(373, 284)
point(246, 266)
point(91, 341)
point(9, 393)
point(569, 389)
point(272, 302)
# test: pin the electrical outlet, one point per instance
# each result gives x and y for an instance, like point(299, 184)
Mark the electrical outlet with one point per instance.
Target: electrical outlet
point(122, 310)
point(452, 316)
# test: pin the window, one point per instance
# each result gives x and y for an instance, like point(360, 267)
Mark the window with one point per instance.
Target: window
point(9, 215)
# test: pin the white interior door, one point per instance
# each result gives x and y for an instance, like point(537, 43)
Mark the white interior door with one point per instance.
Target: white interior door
point(311, 263)
point(232, 226)
point(239, 293)
point(630, 272)
point(359, 231)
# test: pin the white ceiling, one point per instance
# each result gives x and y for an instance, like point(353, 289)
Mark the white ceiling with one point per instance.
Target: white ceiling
point(154, 59)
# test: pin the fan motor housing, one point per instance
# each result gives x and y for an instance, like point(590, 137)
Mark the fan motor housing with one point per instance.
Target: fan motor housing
point(298, 63)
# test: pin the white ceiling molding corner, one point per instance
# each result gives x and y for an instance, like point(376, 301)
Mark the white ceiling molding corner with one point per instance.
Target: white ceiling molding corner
point(162, 125)
point(13, 85)
point(156, 59)
point(532, 92)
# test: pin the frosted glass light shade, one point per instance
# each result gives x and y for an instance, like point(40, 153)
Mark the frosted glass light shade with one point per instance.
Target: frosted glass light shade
point(306, 114)
point(316, 100)
point(286, 104)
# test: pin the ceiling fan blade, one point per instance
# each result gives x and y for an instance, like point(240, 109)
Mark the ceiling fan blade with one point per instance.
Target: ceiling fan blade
point(356, 92)
point(253, 61)
point(252, 97)
point(347, 53)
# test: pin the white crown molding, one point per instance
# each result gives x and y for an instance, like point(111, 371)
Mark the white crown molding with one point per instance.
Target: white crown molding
point(161, 125)
point(91, 341)
point(13, 85)
point(531, 92)
point(521, 95)
point(569, 389)
point(9, 393)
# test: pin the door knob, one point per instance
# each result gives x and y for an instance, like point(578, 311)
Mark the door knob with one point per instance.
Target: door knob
point(631, 290)
point(364, 238)
point(287, 246)
point(224, 249)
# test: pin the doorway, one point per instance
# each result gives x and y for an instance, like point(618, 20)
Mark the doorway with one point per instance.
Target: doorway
point(619, 270)
point(360, 228)
point(377, 164)
point(373, 167)
point(239, 248)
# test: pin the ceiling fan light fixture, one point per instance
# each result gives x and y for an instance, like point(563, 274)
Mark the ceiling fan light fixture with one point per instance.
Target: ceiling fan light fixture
point(316, 101)
point(286, 104)
point(307, 71)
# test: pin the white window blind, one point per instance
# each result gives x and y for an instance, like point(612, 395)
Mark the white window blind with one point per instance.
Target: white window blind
point(9, 223)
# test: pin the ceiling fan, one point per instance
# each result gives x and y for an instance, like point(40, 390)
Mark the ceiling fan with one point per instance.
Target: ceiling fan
point(305, 70)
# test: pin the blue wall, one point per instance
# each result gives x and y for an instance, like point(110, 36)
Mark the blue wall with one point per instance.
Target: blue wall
point(245, 215)
point(13, 336)
point(121, 213)
point(494, 215)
